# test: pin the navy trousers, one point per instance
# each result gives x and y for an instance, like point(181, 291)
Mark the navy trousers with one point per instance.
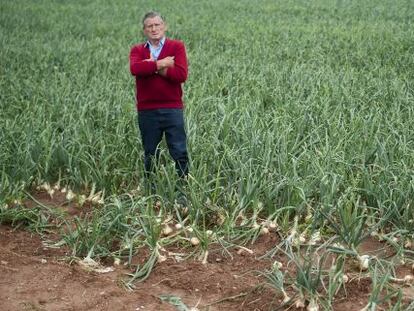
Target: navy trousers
point(153, 124)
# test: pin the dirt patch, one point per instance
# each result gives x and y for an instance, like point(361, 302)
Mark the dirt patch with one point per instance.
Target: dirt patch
point(35, 277)
point(379, 249)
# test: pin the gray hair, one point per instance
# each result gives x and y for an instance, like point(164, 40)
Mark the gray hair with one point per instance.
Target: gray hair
point(152, 14)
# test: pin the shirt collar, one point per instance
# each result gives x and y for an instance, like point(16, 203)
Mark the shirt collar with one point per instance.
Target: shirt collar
point(162, 41)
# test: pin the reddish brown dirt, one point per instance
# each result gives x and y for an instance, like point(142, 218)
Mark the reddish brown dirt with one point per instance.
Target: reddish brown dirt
point(35, 277)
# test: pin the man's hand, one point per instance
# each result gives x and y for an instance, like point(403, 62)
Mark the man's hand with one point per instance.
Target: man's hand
point(162, 64)
point(165, 63)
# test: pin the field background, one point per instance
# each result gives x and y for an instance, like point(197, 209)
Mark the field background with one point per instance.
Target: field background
point(298, 113)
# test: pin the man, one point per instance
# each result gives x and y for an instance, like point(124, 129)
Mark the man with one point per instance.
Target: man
point(160, 67)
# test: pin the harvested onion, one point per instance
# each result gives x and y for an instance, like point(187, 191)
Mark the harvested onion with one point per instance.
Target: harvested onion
point(363, 262)
point(167, 230)
point(194, 241)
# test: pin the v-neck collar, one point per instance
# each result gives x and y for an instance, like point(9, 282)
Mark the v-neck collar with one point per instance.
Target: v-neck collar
point(161, 55)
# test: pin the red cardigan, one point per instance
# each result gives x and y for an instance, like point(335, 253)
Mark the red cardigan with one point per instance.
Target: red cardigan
point(154, 91)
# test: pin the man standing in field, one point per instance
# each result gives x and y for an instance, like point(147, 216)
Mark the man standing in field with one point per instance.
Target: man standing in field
point(160, 67)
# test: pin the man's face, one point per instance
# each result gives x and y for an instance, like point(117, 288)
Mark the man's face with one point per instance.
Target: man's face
point(154, 28)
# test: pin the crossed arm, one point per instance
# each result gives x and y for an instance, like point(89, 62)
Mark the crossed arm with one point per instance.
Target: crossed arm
point(173, 67)
point(162, 64)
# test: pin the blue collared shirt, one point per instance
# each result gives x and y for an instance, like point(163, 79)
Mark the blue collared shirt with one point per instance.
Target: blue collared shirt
point(155, 51)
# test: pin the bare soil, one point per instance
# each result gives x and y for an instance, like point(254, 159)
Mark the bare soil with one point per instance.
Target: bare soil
point(36, 277)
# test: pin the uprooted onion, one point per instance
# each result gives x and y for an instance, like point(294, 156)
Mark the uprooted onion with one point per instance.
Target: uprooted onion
point(363, 262)
point(264, 230)
point(194, 241)
point(167, 230)
point(312, 306)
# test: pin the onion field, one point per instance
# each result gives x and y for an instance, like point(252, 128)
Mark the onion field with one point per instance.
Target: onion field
point(299, 119)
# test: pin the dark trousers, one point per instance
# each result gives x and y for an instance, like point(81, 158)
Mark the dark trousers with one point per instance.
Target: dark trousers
point(153, 124)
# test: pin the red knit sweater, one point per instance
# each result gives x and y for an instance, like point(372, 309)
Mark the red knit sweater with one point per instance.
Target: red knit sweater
point(154, 91)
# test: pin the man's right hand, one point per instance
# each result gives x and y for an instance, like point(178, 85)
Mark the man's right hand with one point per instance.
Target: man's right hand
point(166, 62)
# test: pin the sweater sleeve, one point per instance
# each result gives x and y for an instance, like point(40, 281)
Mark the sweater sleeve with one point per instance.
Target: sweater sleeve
point(179, 72)
point(138, 66)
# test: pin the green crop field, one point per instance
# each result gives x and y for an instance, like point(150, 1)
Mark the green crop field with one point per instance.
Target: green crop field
point(299, 117)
